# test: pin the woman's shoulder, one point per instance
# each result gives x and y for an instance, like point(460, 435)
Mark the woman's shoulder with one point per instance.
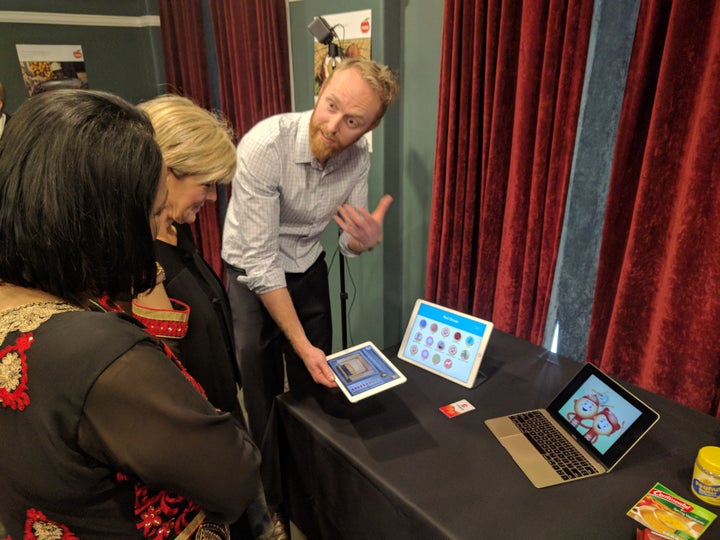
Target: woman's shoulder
point(69, 321)
point(113, 332)
point(48, 345)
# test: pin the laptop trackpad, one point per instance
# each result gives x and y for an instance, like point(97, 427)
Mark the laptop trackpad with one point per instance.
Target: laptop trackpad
point(526, 456)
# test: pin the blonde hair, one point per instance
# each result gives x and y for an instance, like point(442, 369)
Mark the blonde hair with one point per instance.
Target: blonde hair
point(378, 76)
point(193, 141)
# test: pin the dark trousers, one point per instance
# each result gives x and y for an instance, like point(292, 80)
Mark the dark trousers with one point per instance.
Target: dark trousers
point(261, 345)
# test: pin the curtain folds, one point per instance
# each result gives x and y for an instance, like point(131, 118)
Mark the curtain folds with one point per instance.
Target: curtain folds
point(252, 51)
point(656, 312)
point(184, 50)
point(253, 59)
point(507, 117)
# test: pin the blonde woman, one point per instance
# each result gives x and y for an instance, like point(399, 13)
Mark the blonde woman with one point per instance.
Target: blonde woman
point(199, 152)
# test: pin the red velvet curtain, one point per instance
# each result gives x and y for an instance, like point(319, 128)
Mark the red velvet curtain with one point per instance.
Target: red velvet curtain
point(251, 46)
point(253, 59)
point(512, 77)
point(184, 50)
point(656, 313)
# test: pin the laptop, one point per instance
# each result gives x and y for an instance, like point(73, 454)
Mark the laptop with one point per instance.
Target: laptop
point(446, 342)
point(585, 431)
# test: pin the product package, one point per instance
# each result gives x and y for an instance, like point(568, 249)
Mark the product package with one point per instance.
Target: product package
point(670, 515)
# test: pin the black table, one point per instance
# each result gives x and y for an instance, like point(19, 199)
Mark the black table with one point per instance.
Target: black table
point(393, 466)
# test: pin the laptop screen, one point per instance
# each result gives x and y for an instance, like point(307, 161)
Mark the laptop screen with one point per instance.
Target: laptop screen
point(445, 342)
point(607, 419)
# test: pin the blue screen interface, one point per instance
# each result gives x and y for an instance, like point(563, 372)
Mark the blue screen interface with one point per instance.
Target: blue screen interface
point(362, 370)
point(445, 342)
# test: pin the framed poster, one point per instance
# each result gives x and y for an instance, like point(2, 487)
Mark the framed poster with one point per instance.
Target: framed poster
point(352, 39)
point(48, 67)
point(352, 33)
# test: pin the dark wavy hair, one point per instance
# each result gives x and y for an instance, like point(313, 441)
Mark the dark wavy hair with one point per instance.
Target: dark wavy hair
point(79, 172)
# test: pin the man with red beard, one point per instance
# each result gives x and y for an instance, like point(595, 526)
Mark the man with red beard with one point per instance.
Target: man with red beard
point(295, 173)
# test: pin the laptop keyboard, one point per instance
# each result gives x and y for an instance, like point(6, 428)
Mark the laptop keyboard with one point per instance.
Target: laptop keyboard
point(557, 451)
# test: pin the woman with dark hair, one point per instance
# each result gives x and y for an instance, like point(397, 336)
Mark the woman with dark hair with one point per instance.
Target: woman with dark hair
point(104, 436)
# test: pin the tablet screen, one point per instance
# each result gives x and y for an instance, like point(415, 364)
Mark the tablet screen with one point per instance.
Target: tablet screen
point(446, 342)
point(363, 371)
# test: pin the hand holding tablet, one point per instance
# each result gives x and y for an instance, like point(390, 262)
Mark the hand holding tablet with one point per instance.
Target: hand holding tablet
point(363, 371)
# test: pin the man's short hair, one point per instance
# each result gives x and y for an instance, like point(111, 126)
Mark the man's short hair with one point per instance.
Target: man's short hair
point(379, 77)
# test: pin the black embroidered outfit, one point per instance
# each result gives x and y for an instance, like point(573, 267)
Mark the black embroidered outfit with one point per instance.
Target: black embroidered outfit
point(94, 419)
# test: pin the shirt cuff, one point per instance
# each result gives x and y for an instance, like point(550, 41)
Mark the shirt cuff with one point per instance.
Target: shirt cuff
point(164, 323)
point(344, 248)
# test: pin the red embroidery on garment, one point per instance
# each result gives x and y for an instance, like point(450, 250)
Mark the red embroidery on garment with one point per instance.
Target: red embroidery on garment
point(159, 514)
point(39, 527)
point(106, 303)
point(13, 373)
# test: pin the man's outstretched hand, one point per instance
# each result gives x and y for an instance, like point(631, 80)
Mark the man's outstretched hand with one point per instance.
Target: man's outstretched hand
point(364, 228)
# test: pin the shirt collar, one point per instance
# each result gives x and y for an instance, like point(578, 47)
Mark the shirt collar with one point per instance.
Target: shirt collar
point(303, 154)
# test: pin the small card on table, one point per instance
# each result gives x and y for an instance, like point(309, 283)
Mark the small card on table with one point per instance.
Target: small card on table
point(454, 409)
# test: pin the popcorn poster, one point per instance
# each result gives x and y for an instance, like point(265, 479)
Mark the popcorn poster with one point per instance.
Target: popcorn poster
point(352, 33)
point(49, 67)
point(352, 39)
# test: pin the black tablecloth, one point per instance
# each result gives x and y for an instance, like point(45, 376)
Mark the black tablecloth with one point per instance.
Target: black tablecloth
point(393, 466)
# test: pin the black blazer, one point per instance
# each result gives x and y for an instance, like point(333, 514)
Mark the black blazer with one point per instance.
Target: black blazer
point(207, 351)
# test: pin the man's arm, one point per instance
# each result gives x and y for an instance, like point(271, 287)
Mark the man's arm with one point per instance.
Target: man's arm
point(281, 309)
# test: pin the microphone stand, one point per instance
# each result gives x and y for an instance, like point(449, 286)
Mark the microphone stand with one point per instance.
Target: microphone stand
point(333, 57)
point(343, 298)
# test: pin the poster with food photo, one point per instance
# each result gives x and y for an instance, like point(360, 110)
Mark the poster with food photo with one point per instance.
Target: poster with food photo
point(351, 39)
point(49, 67)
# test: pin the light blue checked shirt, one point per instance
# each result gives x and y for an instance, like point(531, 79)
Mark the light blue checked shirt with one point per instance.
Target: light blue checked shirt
point(282, 199)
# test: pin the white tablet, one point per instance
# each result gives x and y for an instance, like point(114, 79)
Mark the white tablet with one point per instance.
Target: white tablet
point(363, 371)
point(446, 342)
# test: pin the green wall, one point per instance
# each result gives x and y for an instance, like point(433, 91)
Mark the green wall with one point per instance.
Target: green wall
point(126, 60)
point(383, 285)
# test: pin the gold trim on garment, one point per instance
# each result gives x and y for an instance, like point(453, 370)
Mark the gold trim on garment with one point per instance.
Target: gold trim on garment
point(188, 531)
point(29, 317)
